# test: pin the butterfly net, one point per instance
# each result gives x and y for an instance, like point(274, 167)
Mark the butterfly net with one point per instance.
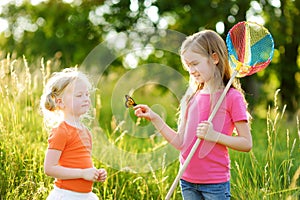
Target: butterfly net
point(250, 48)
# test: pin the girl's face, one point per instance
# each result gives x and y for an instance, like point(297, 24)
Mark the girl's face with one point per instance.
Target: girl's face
point(198, 66)
point(76, 99)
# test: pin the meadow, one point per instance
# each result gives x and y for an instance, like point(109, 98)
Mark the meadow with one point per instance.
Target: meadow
point(270, 171)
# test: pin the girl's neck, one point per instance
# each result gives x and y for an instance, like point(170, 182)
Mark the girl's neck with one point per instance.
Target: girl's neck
point(204, 90)
point(73, 121)
point(210, 89)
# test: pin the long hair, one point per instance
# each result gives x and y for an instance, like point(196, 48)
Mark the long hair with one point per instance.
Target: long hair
point(206, 43)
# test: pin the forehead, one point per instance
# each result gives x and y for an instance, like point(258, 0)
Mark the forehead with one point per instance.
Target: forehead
point(78, 85)
point(190, 56)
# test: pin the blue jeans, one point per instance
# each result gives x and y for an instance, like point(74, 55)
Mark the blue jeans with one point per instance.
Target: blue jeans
point(193, 191)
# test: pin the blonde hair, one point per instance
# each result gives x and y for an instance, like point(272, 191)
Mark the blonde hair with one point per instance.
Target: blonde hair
point(54, 89)
point(206, 43)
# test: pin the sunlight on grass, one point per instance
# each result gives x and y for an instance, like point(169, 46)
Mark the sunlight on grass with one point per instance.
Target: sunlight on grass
point(270, 171)
point(266, 173)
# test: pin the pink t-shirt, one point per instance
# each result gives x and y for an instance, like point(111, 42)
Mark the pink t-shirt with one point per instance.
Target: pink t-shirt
point(211, 163)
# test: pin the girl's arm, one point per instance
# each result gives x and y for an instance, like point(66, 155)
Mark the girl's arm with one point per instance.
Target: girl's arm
point(52, 168)
point(169, 134)
point(241, 142)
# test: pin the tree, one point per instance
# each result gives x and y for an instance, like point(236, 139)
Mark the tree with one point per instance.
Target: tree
point(284, 24)
point(51, 29)
point(70, 31)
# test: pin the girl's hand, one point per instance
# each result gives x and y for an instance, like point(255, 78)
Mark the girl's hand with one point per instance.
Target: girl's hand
point(144, 111)
point(102, 175)
point(205, 131)
point(90, 174)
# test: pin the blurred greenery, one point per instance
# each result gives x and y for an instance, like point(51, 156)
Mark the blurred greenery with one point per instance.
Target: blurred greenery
point(67, 31)
point(139, 167)
point(54, 34)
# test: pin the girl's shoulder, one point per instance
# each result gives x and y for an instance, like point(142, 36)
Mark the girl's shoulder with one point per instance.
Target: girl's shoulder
point(61, 129)
point(235, 96)
point(233, 93)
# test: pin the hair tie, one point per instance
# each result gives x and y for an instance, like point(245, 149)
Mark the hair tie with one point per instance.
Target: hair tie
point(51, 95)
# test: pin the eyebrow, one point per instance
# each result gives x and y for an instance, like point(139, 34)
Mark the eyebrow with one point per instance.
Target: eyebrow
point(193, 61)
point(81, 91)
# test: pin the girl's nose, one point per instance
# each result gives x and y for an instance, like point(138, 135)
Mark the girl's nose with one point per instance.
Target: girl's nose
point(87, 98)
point(192, 70)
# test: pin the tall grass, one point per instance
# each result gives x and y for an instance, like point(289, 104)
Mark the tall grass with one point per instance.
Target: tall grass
point(22, 140)
point(266, 172)
point(269, 171)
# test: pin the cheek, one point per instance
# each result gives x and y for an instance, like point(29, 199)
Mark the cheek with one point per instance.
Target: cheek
point(67, 100)
point(76, 102)
point(208, 69)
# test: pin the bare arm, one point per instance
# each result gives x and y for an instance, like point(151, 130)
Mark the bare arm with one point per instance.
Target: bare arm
point(241, 142)
point(52, 169)
point(169, 134)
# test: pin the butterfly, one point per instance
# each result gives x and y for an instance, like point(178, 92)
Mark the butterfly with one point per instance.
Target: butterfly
point(129, 101)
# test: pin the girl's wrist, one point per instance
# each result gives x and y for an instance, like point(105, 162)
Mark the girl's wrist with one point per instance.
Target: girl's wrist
point(158, 122)
point(212, 136)
point(153, 116)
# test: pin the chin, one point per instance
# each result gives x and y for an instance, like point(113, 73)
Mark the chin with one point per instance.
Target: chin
point(82, 112)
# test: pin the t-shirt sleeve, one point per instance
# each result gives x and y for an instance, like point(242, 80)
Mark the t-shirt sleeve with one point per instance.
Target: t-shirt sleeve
point(57, 139)
point(238, 107)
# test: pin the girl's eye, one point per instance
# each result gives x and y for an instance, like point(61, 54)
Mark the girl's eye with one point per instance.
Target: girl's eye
point(81, 95)
point(192, 64)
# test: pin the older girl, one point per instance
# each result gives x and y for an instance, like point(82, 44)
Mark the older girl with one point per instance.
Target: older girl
point(204, 56)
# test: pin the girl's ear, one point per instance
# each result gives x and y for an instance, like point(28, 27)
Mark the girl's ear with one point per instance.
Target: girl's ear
point(215, 58)
point(59, 102)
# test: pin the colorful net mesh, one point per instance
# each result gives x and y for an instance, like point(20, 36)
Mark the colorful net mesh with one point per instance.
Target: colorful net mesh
point(250, 48)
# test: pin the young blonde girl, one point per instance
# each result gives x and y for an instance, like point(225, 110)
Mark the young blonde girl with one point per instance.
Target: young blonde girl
point(204, 56)
point(65, 101)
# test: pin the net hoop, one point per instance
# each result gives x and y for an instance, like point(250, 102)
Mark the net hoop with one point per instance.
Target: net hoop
point(250, 48)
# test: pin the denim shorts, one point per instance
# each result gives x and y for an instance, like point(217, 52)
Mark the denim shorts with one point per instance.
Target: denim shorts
point(194, 191)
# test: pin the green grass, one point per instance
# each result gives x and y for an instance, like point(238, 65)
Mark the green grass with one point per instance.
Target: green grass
point(269, 171)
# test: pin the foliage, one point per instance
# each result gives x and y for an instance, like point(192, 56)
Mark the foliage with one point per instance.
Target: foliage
point(69, 31)
point(51, 29)
point(283, 24)
point(270, 171)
